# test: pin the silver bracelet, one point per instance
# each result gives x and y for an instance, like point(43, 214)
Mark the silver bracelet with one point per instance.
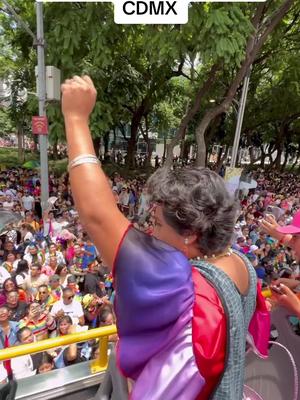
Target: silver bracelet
point(83, 159)
point(80, 157)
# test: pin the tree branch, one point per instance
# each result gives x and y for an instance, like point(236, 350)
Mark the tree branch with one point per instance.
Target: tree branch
point(122, 129)
point(143, 132)
point(254, 45)
point(191, 112)
point(272, 22)
point(130, 109)
point(293, 22)
point(292, 118)
point(179, 71)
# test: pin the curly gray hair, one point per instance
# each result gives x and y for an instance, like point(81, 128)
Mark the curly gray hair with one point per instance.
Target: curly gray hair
point(196, 201)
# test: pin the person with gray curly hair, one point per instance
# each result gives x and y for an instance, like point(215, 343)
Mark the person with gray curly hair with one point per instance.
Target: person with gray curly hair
point(195, 200)
point(184, 299)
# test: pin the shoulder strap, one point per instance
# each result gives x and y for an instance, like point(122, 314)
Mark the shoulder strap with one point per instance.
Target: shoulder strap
point(249, 301)
point(231, 384)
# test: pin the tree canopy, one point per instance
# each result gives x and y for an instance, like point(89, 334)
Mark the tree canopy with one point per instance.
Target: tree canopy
point(176, 79)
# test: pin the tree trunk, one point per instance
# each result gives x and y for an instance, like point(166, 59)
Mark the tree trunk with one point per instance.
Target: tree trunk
point(251, 155)
point(186, 150)
point(132, 142)
point(294, 164)
point(131, 149)
point(201, 146)
point(271, 160)
point(115, 136)
point(97, 143)
point(296, 160)
point(221, 160)
point(219, 156)
point(263, 158)
point(203, 90)
point(182, 145)
point(105, 143)
point(20, 144)
point(254, 45)
point(35, 146)
point(277, 161)
point(286, 157)
point(148, 141)
point(114, 145)
point(280, 146)
point(55, 149)
point(165, 149)
point(284, 140)
point(200, 140)
point(149, 152)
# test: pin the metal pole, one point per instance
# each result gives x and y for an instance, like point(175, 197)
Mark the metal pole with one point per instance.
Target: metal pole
point(240, 118)
point(43, 139)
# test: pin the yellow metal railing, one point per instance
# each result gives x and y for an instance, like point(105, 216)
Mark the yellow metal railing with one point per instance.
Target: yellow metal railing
point(97, 365)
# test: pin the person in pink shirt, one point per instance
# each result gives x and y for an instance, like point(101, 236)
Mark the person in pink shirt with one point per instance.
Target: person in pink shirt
point(70, 252)
point(50, 269)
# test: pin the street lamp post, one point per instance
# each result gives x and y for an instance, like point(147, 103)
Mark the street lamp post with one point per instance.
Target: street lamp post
point(43, 139)
point(240, 118)
point(39, 41)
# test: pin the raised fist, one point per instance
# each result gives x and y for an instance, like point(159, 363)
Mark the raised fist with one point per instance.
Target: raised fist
point(78, 97)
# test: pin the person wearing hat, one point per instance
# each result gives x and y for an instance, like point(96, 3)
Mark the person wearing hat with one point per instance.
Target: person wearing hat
point(92, 305)
point(288, 235)
point(253, 248)
point(55, 287)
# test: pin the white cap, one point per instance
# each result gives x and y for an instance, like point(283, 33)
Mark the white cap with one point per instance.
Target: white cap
point(253, 248)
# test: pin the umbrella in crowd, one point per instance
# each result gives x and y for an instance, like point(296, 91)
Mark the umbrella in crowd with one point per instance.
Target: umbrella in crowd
point(31, 164)
point(8, 217)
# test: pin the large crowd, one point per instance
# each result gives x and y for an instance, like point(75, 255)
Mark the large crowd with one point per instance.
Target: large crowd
point(278, 195)
point(52, 278)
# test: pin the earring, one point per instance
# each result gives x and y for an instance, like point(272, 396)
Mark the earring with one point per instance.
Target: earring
point(186, 249)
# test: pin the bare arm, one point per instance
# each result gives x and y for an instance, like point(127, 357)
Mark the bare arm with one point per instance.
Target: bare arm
point(288, 299)
point(269, 225)
point(93, 197)
point(71, 352)
point(289, 282)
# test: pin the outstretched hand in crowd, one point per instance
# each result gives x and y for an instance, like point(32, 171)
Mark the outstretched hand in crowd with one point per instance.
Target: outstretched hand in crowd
point(287, 299)
point(269, 226)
